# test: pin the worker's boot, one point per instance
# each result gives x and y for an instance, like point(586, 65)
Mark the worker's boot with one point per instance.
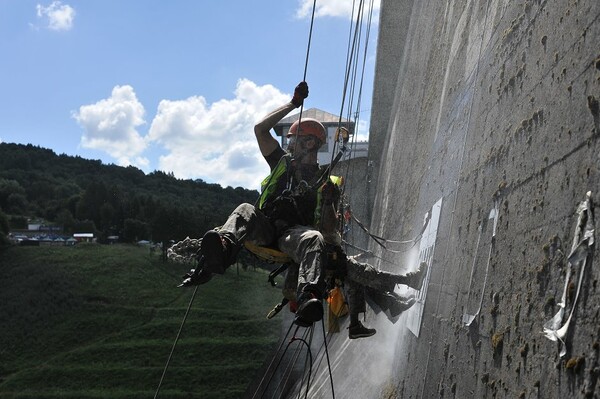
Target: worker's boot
point(196, 276)
point(397, 304)
point(414, 279)
point(192, 278)
point(357, 330)
point(277, 308)
point(310, 309)
point(218, 252)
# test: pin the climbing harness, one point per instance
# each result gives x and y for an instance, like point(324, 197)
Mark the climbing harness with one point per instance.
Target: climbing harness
point(267, 254)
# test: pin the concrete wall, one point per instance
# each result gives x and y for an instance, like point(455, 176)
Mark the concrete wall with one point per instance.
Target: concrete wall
point(492, 108)
point(391, 59)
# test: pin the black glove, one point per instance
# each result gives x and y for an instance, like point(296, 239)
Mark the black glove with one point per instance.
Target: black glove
point(300, 93)
point(330, 193)
point(193, 278)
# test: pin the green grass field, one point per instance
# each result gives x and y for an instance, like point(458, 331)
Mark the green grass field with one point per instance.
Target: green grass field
point(95, 321)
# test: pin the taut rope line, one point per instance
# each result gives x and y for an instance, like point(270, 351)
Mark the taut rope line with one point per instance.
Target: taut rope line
point(175, 343)
point(312, 21)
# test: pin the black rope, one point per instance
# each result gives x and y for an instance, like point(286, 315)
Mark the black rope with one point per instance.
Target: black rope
point(360, 86)
point(327, 353)
point(306, 341)
point(363, 251)
point(327, 336)
point(281, 356)
point(175, 343)
point(355, 73)
point(287, 373)
point(350, 56)
point(308, 360)
point(312, 21)
point(357, 40)
point(351, 67)
point(272, 361)
point(381, 241)
point(294, 358)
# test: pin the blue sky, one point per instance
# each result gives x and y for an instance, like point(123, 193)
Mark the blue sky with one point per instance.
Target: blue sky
point(169, 85)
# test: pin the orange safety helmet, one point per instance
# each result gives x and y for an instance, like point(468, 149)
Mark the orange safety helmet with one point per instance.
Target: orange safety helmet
point(309, 127)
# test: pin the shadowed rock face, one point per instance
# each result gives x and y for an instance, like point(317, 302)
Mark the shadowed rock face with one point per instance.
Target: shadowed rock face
point(489, 110)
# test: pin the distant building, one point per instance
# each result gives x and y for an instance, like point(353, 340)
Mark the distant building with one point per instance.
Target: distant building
point(84, 237)
point(38, 226)
point(331, 123)
point(33, 226)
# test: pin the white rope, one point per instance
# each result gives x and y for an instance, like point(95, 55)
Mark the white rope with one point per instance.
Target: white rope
point(184, 251)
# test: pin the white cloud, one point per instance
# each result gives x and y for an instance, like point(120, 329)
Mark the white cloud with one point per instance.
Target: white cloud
point(110, 125)
point(216, 142)
point(58, 16)
point(334, 8)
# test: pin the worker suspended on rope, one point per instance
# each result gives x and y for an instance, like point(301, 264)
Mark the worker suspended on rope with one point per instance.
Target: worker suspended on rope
point(296, 212)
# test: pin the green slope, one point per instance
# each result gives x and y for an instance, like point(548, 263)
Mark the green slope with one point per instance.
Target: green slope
point(98, 321)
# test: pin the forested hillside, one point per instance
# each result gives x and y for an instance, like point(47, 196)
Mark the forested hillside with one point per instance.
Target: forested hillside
point(81, 195)
point(99, 321)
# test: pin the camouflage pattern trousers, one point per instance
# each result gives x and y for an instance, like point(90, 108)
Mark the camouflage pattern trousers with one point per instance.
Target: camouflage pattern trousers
point(303, 244)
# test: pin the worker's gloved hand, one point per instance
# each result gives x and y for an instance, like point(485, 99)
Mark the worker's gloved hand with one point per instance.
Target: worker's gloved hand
point(300, 93)
point(330, 193)
point(193, 278)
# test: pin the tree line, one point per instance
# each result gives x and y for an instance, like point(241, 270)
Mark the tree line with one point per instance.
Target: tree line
point(74, 194)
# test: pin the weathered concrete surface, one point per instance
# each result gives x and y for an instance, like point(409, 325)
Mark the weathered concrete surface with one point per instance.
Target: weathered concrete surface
point(492, 108)
point(495, 106)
